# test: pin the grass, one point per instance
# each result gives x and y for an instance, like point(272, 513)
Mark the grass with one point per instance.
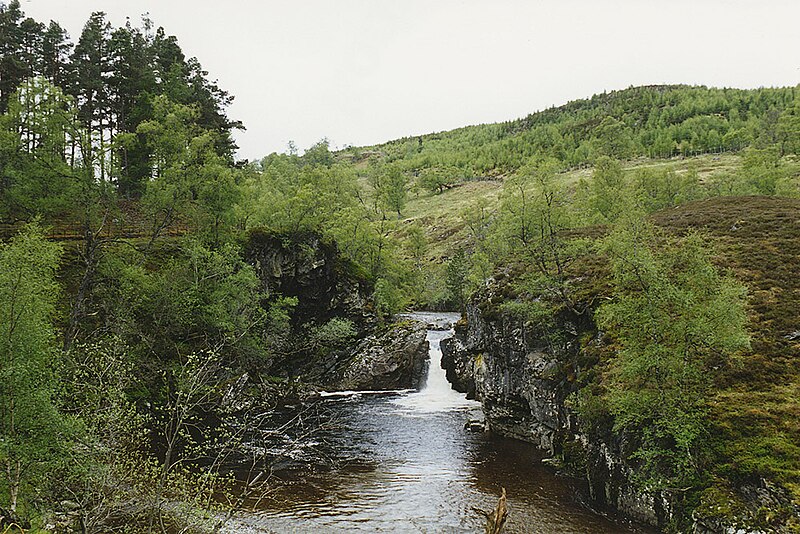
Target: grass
point(756, 409)
point(440, 214)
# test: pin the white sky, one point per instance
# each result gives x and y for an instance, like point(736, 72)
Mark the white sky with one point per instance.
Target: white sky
point(361, 72)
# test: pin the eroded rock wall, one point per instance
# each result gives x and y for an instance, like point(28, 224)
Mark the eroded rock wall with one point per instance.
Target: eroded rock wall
point(375, 355)
point(525, 377)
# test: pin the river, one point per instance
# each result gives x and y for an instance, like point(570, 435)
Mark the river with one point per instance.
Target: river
point(403, 462)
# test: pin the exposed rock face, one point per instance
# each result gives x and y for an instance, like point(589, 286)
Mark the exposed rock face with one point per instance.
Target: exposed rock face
point(514, 374)
point(370, 357)
point(305, 267)
point(393, 360)
point(524, 379)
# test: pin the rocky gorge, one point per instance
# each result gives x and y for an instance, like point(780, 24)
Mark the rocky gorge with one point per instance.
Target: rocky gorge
point(336, 339)
point(526, 385)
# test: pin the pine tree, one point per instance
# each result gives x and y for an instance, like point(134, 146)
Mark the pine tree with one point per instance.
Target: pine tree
point(91, 70)
point(132, 82)
point(12, 65)
point(55, 54)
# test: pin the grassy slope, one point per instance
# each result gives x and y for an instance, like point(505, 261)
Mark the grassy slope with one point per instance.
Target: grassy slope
point(757, 406)
point(440, 213)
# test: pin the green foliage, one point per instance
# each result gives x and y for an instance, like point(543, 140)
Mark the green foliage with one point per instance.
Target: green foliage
point(318, 154)
point(535, 216)
point(457, 276)
point(286, 196)
point(33, 433)
point(608, 194)
point(190, 182)
point(537, 311)
point(388, 298)
point(97, 377)
point(654, 121)
point(529, 206)
point(660, 189)
point(761, 170)
point(200, 299)
point(278, 321)
point(334, 333)
point(394, 189)
point(127, 117)
point(675, 318)
point(437, 179)
point(35, 132)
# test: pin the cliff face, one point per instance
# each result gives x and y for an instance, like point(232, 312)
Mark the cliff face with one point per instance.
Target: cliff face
point(335, 340)
point(526, 375)
point(524, 380)
point(307, 268)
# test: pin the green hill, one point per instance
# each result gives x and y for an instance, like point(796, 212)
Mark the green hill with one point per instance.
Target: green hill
point(153, 307)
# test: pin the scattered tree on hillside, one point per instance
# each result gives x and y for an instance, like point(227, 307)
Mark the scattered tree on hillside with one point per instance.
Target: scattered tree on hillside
point(676, 318)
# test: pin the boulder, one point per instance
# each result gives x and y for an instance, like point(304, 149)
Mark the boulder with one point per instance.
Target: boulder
point(393, 360)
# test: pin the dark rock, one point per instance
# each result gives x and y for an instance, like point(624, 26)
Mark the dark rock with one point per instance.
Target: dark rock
point(394, 360)
point(524, 380)
point(459, 365)
point(475, 425)
point(304, 266)
point(328, 287)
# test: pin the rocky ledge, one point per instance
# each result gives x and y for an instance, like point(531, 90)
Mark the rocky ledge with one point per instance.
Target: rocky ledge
point(335, 339)
point(525, 379)
point(395, 359)
point(522, 379)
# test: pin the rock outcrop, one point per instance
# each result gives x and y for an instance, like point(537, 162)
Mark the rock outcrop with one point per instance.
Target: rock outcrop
point(336, 339)
point(393, 360)
point(524, 377)
point(305, 267)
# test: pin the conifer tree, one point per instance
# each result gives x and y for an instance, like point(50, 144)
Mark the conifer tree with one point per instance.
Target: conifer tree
point(91, 69)
point(12, 66)
point(55, 54)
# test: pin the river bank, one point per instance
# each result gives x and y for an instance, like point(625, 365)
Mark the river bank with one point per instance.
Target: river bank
point(403, 462)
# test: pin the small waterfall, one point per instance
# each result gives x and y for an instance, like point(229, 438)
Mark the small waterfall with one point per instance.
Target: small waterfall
point(437, 395)
point(402, 462)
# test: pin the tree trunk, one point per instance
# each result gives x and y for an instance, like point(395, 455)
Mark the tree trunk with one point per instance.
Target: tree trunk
point(13, 472)
point(496, 519)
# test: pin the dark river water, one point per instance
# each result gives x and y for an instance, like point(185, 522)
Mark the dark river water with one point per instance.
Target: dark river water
point(403, 462)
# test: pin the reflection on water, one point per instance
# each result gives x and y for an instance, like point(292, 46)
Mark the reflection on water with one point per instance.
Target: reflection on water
point(402, 462)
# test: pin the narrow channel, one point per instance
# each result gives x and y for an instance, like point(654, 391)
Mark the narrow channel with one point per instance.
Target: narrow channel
point(403, 462)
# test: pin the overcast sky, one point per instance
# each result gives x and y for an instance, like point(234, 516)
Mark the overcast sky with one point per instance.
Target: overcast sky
point(361, 72)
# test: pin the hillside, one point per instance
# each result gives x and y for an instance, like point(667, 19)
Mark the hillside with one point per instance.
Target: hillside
point(655, 129)
point(756, 409)
point(442, 214)
point(168, 292)
point(651, 121)
point(508, 200)
point(544, 368)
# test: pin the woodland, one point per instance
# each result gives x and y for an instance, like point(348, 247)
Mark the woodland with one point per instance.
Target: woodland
point(127, 301)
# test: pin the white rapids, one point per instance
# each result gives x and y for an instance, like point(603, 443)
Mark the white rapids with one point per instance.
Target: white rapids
point(436, 395)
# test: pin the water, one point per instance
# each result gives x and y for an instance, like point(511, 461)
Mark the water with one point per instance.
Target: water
point(403, 462)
